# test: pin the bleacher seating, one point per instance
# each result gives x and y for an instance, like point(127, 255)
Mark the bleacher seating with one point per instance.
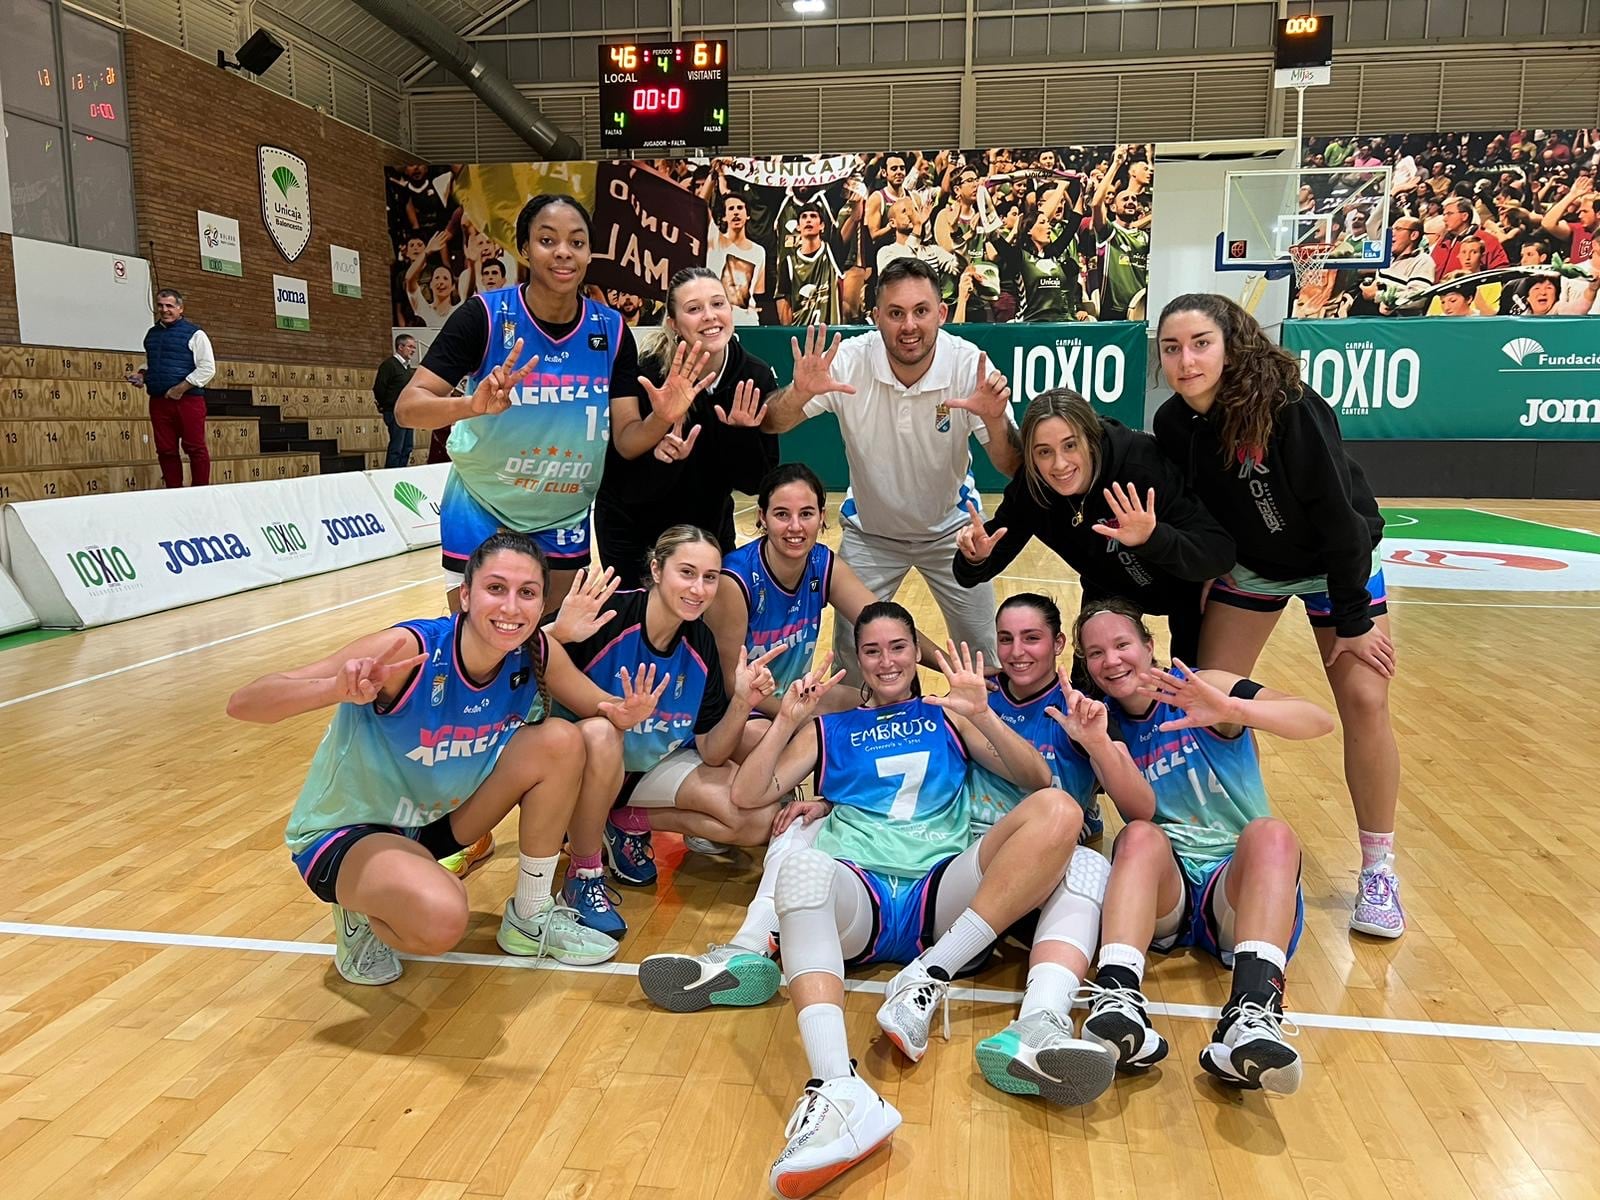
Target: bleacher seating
point(71, 424)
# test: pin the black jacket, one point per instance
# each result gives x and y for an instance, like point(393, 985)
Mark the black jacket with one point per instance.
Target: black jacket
point(1187, 547)
point(390, 381)
point(1305, 510)
point(652, 496)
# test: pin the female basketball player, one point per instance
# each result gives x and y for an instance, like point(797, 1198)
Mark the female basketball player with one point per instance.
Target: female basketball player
point(892, 877)
point(779, 584)
point(1211, 868)
point(440, 730)
point(527, 447)
point(1263, 453)
point(671, 771)
point(690, 478)
point(1089, 489)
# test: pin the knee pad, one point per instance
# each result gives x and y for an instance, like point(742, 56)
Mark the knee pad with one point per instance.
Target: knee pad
point(1088, 873)
point(805, 882)
point(1072, 913)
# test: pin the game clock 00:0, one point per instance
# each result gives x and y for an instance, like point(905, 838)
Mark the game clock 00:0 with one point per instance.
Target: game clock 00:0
point(665, 95)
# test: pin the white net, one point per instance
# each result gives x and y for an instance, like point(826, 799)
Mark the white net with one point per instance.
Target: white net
point(1310, 261)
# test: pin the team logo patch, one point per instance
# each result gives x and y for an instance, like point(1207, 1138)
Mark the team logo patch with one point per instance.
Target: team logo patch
point(438, 690)
point(598, 341)
point(941, 417)
point(508, 333)
point(517, 680)
point(677, 692)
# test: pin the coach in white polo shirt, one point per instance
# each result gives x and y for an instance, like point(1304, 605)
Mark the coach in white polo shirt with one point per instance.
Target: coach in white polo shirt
point(908, 397)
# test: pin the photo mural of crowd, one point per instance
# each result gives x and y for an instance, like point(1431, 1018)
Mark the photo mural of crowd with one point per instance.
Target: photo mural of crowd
point(1483, 224)
point(1040, 234)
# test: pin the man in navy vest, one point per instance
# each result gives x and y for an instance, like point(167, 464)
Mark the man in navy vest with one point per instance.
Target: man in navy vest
point(178, 364)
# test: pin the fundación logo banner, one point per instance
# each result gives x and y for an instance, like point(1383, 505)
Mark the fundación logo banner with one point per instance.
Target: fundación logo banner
point(346, 271)
point(1454, 377)
point(290, 307)
point(285, 199)
point(219, 244)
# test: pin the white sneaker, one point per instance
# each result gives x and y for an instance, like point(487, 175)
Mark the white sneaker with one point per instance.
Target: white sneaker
point(729, 975)
point(1250, 1051)
point(1039, 1055)
point(834, 1126)
point(907, 1010)
point(357, 952)
point(702, 845)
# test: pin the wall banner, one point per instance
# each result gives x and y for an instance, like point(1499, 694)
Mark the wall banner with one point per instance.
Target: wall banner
point(290, 305)
point(285, 199)
point(346, 265)
point(219, 244)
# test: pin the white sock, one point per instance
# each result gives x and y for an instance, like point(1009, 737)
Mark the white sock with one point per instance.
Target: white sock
point(822, 1034)
point(1264, 950)
point(534, 876)
point(969, 937)
point(760, 923)
point(761, 918)
point(1120, 954)
point(1050, 988)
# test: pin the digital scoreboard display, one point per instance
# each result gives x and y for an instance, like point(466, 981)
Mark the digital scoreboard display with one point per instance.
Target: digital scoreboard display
point(663, 95)
point(1304, 41)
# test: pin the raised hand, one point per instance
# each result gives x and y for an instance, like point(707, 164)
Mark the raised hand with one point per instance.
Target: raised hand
point(493, 393)
point(753, 679)
point(991, 399)
point(1085, 720)
point(686, 379)
point(804, 811)
point(746, 411)
point(581, 612)
point(813, 368)
point(361, 679)
point(805, 693)
point(1203, 705)
point(976, 545)
point(1132, 521)
point(675, 446)
point(640, 695)
point(969, 691)
point(1372, 648)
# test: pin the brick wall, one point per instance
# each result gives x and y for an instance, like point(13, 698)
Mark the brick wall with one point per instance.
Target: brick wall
point(195, 131)
point(8, 293)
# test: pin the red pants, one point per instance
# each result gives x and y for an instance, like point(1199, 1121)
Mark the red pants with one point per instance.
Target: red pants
point(184, 420)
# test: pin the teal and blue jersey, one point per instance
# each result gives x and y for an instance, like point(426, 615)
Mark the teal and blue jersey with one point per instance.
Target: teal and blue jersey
point(777, 614)
point(419, 759)
point(538, 464)
point(695, 698)
point(992, 796)
point(1208, 787)
point(895, 777)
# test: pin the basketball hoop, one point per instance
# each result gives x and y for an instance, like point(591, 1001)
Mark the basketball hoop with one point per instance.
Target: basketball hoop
point(1310, 261)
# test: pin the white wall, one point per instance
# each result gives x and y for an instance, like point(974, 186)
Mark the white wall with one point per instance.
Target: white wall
point(5, 185)
point(67, 296)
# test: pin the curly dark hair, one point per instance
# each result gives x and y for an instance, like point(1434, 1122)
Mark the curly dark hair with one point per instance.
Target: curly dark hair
point(1259, 379)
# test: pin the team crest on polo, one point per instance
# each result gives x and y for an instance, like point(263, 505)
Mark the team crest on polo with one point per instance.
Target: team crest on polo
point(285, 199)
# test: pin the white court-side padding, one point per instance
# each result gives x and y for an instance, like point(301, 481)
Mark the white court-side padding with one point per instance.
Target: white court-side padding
point(15, 614)
point(412, 496)
point(90, 560)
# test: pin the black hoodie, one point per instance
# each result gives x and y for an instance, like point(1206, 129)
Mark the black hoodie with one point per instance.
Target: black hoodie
point(1305, 510)
point(1187, 546)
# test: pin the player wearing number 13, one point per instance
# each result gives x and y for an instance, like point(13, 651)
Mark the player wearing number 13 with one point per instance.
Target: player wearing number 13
point(529, 438)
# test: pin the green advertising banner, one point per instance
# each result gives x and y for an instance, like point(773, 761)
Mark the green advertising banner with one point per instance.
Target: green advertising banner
point(1455, 377)
point(1102, 360)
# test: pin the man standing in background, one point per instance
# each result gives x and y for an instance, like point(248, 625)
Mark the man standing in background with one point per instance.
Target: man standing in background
point(178, 364)
point(393, 375)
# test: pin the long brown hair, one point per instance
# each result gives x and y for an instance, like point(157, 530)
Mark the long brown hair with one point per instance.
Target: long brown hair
point(1078, 413)
point(518, 543)
point(1259, 379)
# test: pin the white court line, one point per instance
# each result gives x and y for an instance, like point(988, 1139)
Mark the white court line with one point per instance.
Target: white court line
point(1392, 599)
point(232, 637)
point(1198, 1012)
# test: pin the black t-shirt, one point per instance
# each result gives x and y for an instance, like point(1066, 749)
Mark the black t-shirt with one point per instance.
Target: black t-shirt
point(458, 351)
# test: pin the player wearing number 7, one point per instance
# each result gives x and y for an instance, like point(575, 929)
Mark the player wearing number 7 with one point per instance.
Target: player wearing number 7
point(543, 365)
point(891, 876)
point(1213, 868)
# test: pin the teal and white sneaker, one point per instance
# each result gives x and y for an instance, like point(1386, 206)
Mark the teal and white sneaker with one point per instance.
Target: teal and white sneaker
point(1039, 1055)
point(357, 952)
point(723, 975)
point(553, 932)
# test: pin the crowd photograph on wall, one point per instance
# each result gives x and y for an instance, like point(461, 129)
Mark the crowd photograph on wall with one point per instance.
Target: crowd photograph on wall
point(1043, 234)
point(1498, 223)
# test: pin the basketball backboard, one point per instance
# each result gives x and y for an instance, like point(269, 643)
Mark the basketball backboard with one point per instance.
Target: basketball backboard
point(1267, 213)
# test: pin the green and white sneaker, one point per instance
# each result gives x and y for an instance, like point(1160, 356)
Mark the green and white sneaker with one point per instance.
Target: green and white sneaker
point(723, 975)
point(553, 932)
point(1039, 1055)
point(357, 952)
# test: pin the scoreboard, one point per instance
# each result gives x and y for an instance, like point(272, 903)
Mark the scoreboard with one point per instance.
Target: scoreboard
point(663, 95)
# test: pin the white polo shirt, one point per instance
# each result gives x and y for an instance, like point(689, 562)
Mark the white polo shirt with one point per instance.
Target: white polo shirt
point(910, 461)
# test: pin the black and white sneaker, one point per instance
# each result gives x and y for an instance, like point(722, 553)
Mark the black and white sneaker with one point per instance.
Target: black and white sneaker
point(1118, 1021)
point(1250, 1050)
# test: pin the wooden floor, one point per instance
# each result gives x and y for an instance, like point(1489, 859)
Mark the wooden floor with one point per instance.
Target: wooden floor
point(231, 1060)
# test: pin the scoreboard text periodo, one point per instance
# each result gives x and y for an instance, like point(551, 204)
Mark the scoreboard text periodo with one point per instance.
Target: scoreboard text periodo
point(663, 96)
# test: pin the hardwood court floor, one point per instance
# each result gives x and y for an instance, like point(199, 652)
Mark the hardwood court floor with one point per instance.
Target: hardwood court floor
point(231, 1061)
